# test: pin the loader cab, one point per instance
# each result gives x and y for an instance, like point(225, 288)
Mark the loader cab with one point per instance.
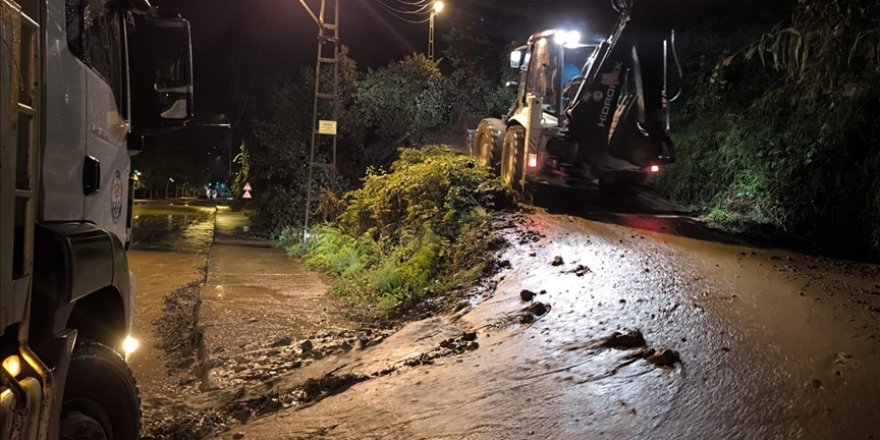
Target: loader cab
point(551, 66)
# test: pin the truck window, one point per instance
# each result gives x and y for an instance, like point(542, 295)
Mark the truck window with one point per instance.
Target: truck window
point(94, 35)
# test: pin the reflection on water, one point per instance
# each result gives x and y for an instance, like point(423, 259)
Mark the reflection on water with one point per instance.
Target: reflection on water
point(182, 233)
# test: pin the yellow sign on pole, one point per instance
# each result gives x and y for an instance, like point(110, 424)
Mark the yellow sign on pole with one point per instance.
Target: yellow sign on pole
point(327, 127)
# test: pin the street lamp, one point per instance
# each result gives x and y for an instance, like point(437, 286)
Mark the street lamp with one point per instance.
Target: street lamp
point(170, 181)
point(438, 8)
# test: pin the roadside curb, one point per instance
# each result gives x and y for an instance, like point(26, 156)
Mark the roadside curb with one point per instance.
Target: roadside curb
point(244, 242)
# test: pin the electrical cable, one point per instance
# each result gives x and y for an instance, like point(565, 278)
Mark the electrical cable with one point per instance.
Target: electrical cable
point(401, 11)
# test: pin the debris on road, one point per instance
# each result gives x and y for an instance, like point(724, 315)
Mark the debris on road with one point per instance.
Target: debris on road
point(630, 339)
point(580, 270)
point(451, 346)
point(526, 295)
point(557, 261)
point(537, 309)
point(663, 357)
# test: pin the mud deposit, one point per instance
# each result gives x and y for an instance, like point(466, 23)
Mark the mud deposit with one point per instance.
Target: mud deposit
point(200, 411)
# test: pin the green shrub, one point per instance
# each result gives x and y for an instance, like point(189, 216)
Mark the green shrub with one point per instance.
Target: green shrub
point(784, 136)
point(408, 234)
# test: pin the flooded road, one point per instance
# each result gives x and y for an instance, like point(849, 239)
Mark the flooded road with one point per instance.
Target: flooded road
point(734, 343)
point(591, 331)
point(169, 250)
point(217, 308)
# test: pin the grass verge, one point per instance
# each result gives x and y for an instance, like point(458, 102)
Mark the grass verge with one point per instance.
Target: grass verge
point(408, 235)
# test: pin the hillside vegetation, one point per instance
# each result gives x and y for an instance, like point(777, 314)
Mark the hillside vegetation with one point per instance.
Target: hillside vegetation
point(782, 135)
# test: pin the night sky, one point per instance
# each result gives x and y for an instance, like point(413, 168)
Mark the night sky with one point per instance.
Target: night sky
point(240, 47)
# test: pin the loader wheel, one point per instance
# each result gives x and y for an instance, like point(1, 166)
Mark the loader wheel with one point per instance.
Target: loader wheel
point(489, 137)
point(512, 158)
point(100, 397)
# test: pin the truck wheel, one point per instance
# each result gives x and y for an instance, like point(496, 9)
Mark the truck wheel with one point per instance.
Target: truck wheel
point(512, 154)
point(488, 148)
point(101, 398)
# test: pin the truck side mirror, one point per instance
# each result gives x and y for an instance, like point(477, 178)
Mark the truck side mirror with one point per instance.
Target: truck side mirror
point(160, 55)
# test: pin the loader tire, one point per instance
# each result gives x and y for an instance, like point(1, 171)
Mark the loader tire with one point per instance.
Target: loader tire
point(101, 398)
point(489, 138)
point(512, 158)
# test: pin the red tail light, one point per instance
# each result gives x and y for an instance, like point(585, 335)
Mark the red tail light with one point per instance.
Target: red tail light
point(654, 169)
point(533, 160)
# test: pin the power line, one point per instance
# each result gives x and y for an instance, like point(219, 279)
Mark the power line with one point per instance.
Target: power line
point(413, 12)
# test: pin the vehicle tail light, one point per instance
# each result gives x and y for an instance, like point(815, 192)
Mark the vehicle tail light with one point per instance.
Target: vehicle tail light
point(533, 160)
point(654, 168)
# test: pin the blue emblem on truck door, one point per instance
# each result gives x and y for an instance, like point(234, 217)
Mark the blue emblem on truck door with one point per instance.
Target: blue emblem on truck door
point(116, 196)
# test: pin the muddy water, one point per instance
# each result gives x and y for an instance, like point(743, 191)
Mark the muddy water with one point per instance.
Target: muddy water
point(256, 298)
point(772, 345)
point(169, 251)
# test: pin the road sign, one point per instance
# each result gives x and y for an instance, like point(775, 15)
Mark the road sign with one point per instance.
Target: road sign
point(327, 127)
point(247, 195)
point(247, 187)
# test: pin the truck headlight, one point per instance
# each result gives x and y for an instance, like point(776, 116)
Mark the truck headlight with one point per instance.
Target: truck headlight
point(130, 345)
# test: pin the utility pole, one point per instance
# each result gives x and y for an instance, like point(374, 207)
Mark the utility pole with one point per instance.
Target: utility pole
point(324, 117)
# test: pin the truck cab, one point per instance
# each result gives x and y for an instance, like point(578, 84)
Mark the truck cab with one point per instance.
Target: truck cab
point(82, 82)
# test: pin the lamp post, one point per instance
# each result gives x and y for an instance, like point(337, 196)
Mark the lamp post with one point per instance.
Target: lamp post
point(438, 7)
point(170, 180)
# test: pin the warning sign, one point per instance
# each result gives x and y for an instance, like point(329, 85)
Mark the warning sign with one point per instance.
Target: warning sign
point(247, 191)
point(327, 127)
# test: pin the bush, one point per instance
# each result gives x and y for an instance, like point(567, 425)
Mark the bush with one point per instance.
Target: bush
point(783, 135)
point(408, 234)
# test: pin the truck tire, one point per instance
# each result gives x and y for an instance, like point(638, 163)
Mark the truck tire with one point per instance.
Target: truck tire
point(512, 158)
point(488, 149)
point(101, 397)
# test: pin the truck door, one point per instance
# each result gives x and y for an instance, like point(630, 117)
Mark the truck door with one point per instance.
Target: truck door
point(106, 162)
point(65, 113)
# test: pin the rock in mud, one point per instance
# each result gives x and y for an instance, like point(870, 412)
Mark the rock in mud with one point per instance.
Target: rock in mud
point(538, 309)
point(630, 339)
point(557, 261)
point(580, 270)
point(663, 358)
point(526, 318)
point(526, 295)
point(469, 336)
point(329, 384)
point(306, 346)
point(282, 342)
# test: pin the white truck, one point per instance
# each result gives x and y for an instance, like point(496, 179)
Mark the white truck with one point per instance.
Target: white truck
point(82, 82)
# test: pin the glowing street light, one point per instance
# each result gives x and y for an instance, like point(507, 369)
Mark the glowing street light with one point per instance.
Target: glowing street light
point(438, 7)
